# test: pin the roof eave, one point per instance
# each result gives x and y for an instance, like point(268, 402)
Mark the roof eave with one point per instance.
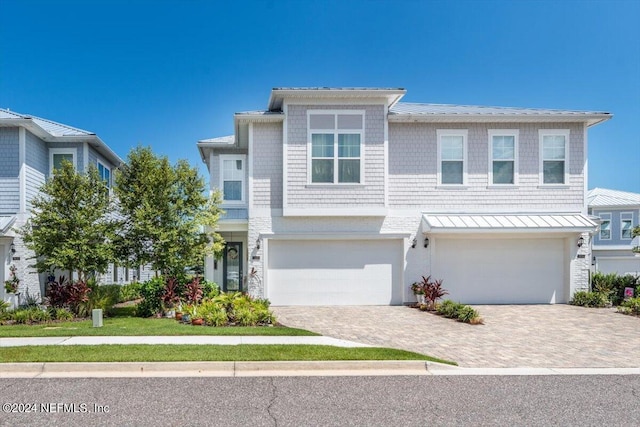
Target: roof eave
point(590, 120)
point(277, 96)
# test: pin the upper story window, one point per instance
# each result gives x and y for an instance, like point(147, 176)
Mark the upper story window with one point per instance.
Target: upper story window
point(452, 156)
point(105, 174)
point(58, 155)
point(232, 178)
point(503, 156)
point(554, 156)
point(335, 148)
point(626, 225)
point(605, 226)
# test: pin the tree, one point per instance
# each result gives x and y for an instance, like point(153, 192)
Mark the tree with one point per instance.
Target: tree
point(165, 213)
point(69, 229)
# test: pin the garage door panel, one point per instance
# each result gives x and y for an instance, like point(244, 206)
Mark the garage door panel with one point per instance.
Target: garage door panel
point(328, 272)
point(502, 271)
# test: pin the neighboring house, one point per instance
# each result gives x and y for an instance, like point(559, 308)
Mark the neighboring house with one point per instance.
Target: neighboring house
point(30, 148)
point(347, 196)
point(619, 213)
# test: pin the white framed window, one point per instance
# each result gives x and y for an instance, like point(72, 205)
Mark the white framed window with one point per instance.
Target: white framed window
point(232, 178)
point(605, 226)
point(503, 156)
point(105, 174)
point(58, 155)
point(335, 146)
point(626, 225)
point(554, 156)
point(452, 156)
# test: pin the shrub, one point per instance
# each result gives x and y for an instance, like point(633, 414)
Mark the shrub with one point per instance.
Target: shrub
point(170, 294)
point(101, 297)
point(461, 312)
point(613, 285)
point(130, 292)
point(21, 316)
point(61, 314)
point(39, 315)
point(467, 314)
point(213, 314)
point(193, 291)
point(151, 293)
point(448, 308)
point(210, 289)
point(631, 306)
point(56, 292)
point(590, 299)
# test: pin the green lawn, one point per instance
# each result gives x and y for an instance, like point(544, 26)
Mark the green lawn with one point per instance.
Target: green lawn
point(115, 326)
point(221, 353)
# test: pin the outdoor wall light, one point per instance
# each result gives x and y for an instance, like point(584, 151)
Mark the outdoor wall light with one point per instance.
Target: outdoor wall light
point(258, 243)
point(414, 242)
point(426, 242)
point(13, 248)
point(581, 241)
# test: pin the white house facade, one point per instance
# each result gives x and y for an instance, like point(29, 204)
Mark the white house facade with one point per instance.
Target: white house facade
point(346, 196)
point(619, 213)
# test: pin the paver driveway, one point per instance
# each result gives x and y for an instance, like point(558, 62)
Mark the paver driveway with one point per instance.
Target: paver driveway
point(512, 336)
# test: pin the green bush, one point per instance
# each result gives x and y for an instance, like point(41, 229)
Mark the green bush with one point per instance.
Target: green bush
point(613, 285)
point(60, 314)
point(590, 299)
point(631, 306)
point(130, 292)
point(466, 314)
point(448, 308)
point(213, 314)
point(38, 315)
point(21, 316)
point(151, 293)
point(461, 312)
point(209, 289)
point(101, 297)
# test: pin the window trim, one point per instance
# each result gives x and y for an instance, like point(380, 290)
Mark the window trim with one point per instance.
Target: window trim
point(515, 133)
point(553, 132)
point(453, 132)
point(104, 165)
point(243, 196)
point(605, 216)
point(626, 216)
point(72, 151)
point(335, 131)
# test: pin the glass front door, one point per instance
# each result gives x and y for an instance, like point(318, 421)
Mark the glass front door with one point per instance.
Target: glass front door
point(232, 270)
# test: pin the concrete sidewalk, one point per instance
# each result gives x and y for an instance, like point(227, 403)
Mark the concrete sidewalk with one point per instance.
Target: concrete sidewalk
point(179, 340)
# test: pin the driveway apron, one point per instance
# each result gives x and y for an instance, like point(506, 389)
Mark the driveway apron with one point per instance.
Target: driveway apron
point(560, 336)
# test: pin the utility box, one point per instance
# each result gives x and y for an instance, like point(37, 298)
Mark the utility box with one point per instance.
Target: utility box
point(96, 314)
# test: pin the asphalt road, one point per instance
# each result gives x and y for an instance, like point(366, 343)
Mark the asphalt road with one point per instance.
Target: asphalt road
point(326, 401)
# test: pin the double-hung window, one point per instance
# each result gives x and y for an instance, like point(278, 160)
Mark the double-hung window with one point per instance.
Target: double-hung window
point(105, 174)
point(232, 178)
point(554, 156)
point(452, 156)
point(58, 155)
point(605, 226)
point(503, 157)
point(626, 225)
point(335, 149)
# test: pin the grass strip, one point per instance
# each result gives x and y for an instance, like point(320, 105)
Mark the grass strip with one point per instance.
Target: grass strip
point(137, 326)
point(220, 353)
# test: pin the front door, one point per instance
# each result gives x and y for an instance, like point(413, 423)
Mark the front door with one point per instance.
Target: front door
point(232, 267)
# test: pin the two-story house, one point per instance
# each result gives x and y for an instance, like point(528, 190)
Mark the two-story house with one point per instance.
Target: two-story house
point(619, 213)
point(30, 149)
point(346, 196)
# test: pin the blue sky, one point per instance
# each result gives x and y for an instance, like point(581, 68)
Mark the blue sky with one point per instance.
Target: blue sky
point(168, 73)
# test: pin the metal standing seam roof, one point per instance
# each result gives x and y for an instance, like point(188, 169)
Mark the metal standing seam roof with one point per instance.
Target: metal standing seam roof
point(507, 222)
point(54, 128)
point(221, 140)
point(610, 198)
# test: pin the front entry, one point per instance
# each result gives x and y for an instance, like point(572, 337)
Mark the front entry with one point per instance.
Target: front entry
point(232, 267)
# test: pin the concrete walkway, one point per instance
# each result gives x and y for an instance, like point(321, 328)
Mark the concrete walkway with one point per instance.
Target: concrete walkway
point(532, 336)
point(190, 339)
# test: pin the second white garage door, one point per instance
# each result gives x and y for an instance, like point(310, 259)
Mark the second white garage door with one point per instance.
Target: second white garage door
point(501, 271)
point(335, 272)
point(619, 265)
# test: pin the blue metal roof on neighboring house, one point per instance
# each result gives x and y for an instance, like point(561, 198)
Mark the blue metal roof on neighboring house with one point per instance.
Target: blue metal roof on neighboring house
point(474, 110)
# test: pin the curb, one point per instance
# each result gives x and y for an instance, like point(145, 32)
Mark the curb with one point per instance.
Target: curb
point(211, 369)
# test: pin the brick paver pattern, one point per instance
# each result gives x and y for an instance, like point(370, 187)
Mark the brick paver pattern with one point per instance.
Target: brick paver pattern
point(560, 336)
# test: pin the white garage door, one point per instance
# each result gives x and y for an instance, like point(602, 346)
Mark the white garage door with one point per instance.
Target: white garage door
point(619, 265)
point(501, 271)
point(335, 272)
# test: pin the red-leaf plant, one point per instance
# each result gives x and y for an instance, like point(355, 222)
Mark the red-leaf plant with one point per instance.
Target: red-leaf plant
point(170, 295)
point(432, 292)
point(193, 291)
point(57, 292)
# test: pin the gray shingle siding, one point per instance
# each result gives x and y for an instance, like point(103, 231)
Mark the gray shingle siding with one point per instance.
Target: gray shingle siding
point(300, 194)
point(413, 171)
point(79, 146)
point(267, 165)
point(37, 166)
point(9, 152)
